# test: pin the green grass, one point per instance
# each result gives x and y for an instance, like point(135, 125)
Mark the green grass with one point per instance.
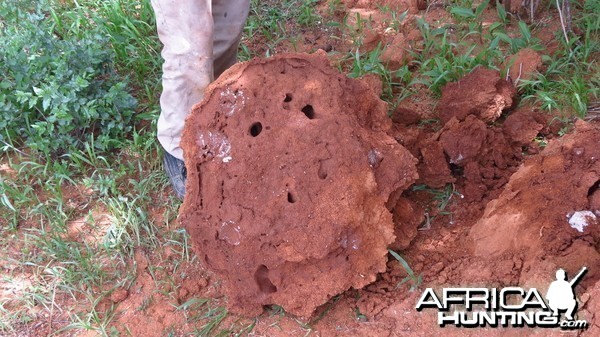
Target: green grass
point(70, 267)
point(43, 196)
point(441, 199)
point(272, 23)
point(446, 54)
point(451, 52)
point(572, 78)
point(415, 279)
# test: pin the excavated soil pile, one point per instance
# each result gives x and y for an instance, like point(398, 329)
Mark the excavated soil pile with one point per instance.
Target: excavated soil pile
point(547, 214)
point(481, 158)
point(475, 148)
point(289, 170)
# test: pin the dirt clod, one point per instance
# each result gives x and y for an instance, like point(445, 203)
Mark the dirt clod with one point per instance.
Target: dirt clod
point(434, 170)
point(523, 125)
point(407, 218)
point(289, 169)
point(524, 64)
point(119, 295)
point(481, 93)
point(397, 53)
point(483, 158)
point(405, 116)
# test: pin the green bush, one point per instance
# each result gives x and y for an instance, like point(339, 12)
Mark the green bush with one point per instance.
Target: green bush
point(58, 91)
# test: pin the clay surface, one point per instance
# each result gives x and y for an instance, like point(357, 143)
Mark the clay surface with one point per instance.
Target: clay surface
point(289, 170)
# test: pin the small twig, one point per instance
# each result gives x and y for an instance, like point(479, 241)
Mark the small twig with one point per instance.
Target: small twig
point(562, 24)
point(594, 107)
point(531, 11)
point(434, 5)
point(427, 224)
point(567, 11)
point(520, 72)
point(452, 193)
point(52, 305)
point(590, 118)
point(14, 148)
point(593, 112)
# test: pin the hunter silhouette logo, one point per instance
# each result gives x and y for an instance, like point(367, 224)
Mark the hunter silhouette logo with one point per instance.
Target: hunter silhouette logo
point(509, 306)
point(561, 293)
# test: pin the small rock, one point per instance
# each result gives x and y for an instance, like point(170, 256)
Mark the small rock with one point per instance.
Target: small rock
point(396, 53)
point(438, 267)
point(581, 219)
point(405, 116)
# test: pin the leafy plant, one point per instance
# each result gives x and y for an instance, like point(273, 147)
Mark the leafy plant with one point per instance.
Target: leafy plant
point(466, 11)
point(501, 11)
point(395, 20)
point(58, 91)
point(443, 59)
point(441, 196)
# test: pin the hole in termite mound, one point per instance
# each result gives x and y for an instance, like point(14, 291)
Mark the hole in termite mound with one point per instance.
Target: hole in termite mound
point(261, 276)
point(291, 197)
point(309, 111)
point(255, 129)
point(593, 188)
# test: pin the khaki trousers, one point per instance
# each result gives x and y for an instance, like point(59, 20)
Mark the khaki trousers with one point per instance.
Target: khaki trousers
point(200, 40)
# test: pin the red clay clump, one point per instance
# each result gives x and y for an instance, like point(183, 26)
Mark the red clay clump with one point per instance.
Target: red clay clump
point(524, 64)
point(289, 168)
point(481, 93)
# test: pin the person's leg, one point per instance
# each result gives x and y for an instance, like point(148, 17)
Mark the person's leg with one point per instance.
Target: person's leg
point(229, 20)
point(200, 39)
point(185, 28)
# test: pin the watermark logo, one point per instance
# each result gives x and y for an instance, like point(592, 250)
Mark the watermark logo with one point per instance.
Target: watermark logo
point(509, 306)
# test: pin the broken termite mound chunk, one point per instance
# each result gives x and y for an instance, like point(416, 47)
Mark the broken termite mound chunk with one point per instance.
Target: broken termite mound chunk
point(289, 168)
point(481, 93)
